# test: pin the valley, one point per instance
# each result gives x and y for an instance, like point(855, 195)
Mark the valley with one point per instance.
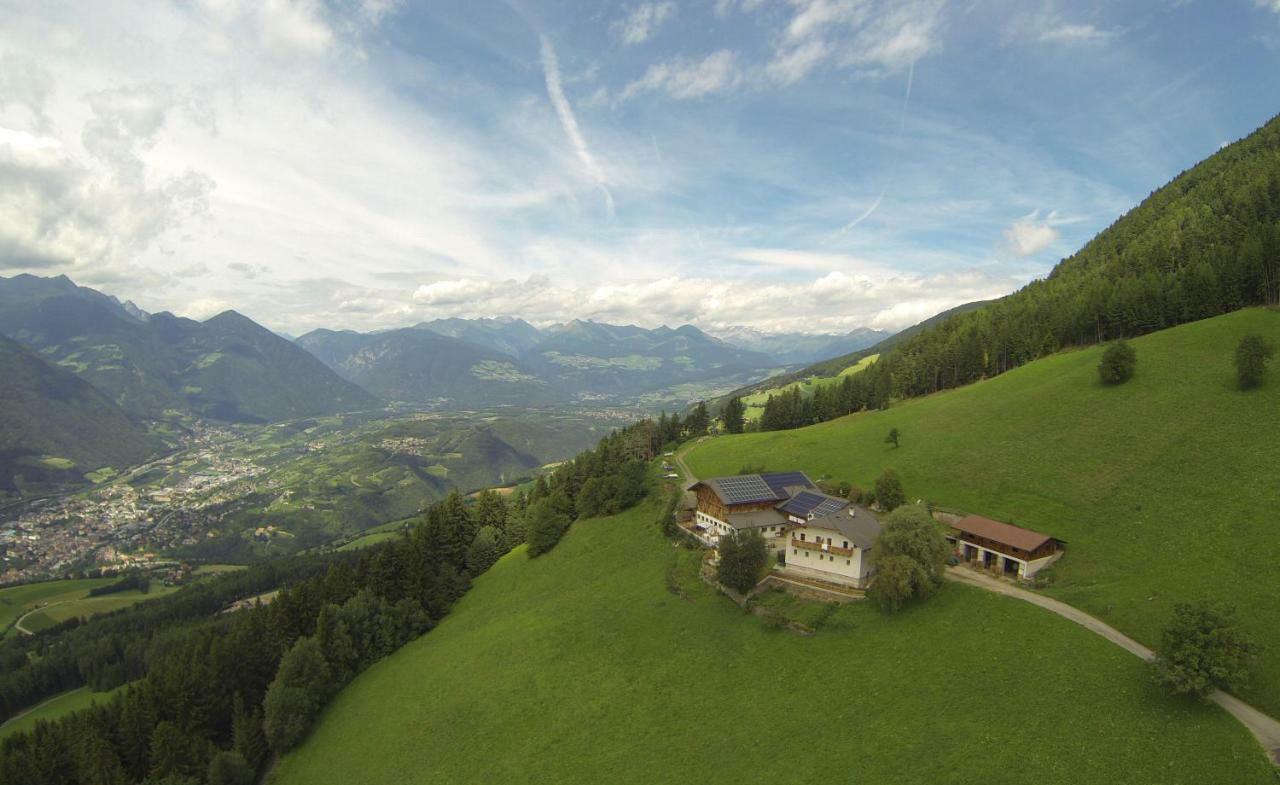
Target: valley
point(242, 493)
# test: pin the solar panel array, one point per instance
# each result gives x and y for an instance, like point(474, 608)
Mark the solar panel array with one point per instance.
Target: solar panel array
point(807, 502)
point(746, 489)
point(780, 481)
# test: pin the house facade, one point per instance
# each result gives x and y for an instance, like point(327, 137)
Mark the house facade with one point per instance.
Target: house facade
point(1002, 547)
point(822, 537)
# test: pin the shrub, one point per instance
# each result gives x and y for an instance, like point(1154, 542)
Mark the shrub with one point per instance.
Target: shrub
point(1203, 649)
point(544, 526)
point(1252, 354)
point(889, 491)
point(1118, 363)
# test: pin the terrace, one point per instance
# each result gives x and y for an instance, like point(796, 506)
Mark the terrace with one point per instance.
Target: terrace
point(821, 546)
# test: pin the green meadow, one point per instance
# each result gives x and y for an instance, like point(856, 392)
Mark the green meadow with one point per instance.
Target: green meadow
point(606, 660)
point(755, 402)
point(55, 707)
point(1165, 488)
point(17, 600)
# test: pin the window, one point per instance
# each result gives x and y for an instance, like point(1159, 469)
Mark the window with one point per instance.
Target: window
point(806, 554)
point(846, 544)
point(801, 536)
point(794, 551)
point(847, 561)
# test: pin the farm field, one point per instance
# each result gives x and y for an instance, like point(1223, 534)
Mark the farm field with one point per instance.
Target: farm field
point(755, 402)
point(1164, 488)
point(17, 600)
point(55, 707)
point(556, 670)
point(83, 607)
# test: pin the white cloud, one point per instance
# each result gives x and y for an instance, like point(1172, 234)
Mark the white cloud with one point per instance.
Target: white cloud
point(1030, 234)
point(837, 300)
point(1047, 27)
point(643, 22)
point(873, 38)
point(1272, 5)
point(687, 79)
point(551, 71)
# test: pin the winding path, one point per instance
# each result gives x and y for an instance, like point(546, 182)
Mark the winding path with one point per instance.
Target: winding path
point(1264, 728)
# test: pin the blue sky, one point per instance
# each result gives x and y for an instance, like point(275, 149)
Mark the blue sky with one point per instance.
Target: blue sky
point(810, 165)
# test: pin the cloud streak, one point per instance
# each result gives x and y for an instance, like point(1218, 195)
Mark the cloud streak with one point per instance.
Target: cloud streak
point(555, 91)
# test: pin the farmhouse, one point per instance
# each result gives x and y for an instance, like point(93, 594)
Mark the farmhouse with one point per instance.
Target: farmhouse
point(822, 537)
point(995, 545)
point(748, 501)
point(835, 546)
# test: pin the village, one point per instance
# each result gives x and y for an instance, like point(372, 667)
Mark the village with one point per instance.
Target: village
point(121, 525)
point(824, 544)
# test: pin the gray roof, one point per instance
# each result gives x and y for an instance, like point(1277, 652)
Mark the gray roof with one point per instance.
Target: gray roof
point(756, 520)
point(862, 528)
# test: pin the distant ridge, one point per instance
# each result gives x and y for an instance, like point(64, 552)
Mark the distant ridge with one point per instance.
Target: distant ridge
point(228, 367)
point(47, 412)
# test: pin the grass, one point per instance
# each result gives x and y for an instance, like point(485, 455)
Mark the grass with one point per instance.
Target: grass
point(56, 707)
point(1165, 488)
point(756, 401)
point(369, 539)
point(582, 666)
point(84, 607)
point(62, 600)
point(17, 600)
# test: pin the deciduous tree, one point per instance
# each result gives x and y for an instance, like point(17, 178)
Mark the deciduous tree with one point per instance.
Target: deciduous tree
point(742, 556)
point(1203, 649)
point(1118, 363)
point(890, 494)
point(910, 557)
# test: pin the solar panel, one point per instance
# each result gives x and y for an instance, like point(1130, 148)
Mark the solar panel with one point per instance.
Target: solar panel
point(745, 489)
point(780, 481)
point(829, 507)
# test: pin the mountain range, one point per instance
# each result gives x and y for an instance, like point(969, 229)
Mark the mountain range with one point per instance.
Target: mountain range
point(227, 367)
point(501, 361)
point(791, 348)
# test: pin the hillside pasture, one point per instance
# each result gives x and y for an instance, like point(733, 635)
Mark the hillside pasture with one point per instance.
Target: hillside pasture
point(603, 661)
point(755, 401)
point(1165, 488)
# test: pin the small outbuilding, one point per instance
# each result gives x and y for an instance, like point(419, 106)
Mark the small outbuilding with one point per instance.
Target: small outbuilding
point(1008, 549)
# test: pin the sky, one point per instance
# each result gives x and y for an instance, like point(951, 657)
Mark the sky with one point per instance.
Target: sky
point(787, 165)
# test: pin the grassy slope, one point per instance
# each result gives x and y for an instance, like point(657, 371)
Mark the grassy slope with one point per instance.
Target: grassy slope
point(84, 607)
point(17, 600)
point(63, 704)
point(756, 401)
point(1165, 487)
point(581, 666)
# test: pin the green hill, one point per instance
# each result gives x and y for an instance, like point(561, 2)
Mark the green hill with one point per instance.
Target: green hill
point(55, 427)
point(582, 666)
point(1165, 487)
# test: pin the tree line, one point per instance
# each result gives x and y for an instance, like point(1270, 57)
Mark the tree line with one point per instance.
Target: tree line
point(1205, 244)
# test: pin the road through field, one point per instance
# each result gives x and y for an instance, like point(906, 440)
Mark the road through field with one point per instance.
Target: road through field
point(1264, 728)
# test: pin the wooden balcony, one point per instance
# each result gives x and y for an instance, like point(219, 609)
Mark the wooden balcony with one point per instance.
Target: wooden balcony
point(834, 550)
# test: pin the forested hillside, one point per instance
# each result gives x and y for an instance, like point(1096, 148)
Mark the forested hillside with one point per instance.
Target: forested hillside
point(55, 426)
point(1205, 244)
